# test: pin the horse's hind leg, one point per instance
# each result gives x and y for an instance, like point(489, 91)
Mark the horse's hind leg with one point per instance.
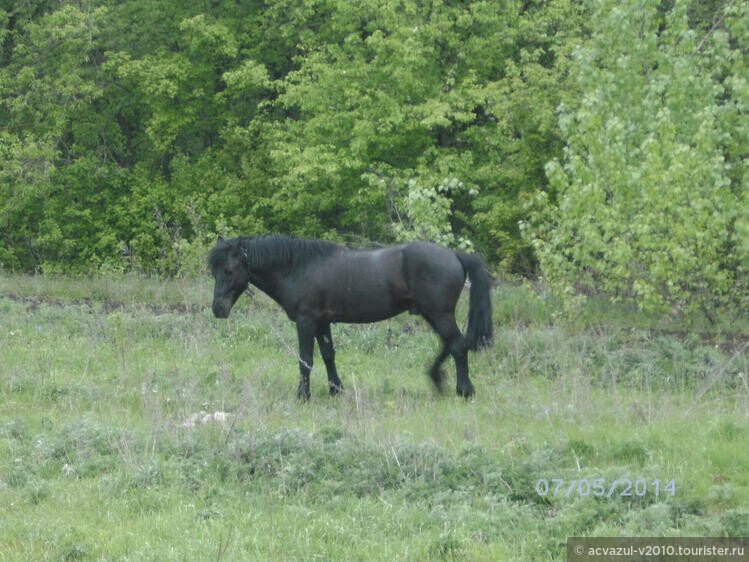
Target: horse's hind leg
point(435, 372)
point(464, 387)
point(455, 345)
point(327, 350)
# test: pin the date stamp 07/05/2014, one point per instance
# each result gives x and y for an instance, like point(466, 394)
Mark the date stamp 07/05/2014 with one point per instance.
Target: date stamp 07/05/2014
point(601, 487)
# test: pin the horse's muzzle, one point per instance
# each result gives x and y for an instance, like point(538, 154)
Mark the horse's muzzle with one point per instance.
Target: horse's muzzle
point(221, 309)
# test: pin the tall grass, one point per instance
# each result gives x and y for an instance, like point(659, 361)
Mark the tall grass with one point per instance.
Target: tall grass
point(97, 462)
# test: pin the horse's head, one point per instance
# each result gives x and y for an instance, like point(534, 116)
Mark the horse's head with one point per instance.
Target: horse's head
point(228, 262)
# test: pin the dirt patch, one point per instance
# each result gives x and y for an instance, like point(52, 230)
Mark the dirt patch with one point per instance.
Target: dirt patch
point(33, 304)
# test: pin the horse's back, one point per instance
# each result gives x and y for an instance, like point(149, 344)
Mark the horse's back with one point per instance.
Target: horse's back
point(429, 258)
point(371, 285)
point(434, 275)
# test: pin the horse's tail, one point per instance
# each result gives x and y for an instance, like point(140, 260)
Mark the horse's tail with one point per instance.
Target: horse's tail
point(479, 332)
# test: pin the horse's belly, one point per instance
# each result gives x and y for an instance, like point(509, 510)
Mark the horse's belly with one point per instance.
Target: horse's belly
point(363, 318)
point(365, 310)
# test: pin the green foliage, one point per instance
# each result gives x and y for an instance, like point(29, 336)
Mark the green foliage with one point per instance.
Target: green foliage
point(122, 141)
point(650, 200)
point(427, 215)
point(133, 132)
point(45, 100)
point(407, 95)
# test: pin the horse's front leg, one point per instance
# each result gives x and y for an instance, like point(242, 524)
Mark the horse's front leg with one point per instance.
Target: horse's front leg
point(327, 350)
point(306, 333)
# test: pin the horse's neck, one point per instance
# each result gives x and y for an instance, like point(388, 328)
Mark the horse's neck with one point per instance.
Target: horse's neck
point(267, 275)
point(277, 278)
point(265, 280)
point(277, 287)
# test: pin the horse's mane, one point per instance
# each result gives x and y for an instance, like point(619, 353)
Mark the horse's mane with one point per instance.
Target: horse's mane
point(273, 251)
point(282, 252)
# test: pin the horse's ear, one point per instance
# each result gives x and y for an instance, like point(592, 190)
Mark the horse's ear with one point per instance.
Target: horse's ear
point(220, 238)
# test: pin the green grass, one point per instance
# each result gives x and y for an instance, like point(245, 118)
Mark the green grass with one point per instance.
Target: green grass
point(98, 378)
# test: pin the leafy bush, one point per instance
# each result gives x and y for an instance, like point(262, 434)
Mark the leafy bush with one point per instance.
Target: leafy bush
point(648, 205)
point(123, 146)
point(427, 214)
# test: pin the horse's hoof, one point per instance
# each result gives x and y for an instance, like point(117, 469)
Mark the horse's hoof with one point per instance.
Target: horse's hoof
point(437, 377)
point(465, 392)
point(335, 389)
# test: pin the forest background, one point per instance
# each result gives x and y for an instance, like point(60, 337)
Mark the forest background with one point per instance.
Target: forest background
point(603, 145)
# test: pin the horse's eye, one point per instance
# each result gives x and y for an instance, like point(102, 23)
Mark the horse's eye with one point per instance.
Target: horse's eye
point(227, 272)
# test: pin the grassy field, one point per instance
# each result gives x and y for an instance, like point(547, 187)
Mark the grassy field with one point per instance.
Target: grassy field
point(105, 384)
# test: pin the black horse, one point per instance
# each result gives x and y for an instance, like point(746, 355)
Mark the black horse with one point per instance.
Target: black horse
point(318, 282)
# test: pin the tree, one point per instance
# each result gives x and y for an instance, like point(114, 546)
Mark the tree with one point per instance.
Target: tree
point(403, 93)
point(46, 101)
point(133, 128)
point(648, 207)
